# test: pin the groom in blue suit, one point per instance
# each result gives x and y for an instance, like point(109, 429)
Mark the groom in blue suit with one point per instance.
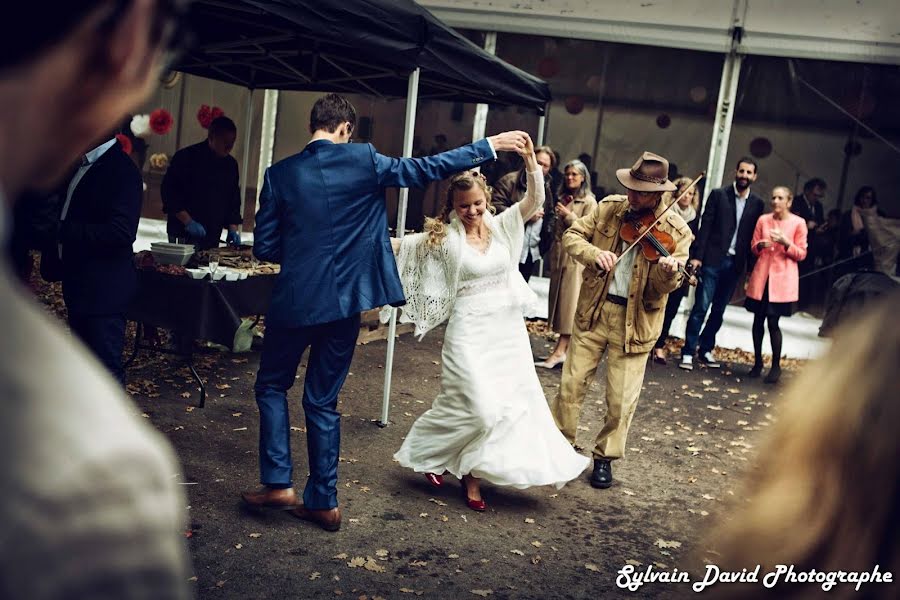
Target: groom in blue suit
point(322, 216)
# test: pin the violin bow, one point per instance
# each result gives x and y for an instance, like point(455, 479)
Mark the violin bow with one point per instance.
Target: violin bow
point(661, 215)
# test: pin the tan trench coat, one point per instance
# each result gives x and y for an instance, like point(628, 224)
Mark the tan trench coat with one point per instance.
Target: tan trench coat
point(565, 272)
point(650, 285)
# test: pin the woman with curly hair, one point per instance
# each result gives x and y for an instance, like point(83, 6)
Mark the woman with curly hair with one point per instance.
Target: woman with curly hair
point(490, 420)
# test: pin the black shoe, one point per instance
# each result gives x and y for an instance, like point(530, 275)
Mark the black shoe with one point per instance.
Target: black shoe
point(602, 475)
point(756, 371)
point(773, 375)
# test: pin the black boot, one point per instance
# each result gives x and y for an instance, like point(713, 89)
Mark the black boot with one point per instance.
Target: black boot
point(756, 371)
point(602, 475)
point(773, 375)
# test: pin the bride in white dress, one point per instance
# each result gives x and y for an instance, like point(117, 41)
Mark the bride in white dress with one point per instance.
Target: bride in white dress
point(490, 420)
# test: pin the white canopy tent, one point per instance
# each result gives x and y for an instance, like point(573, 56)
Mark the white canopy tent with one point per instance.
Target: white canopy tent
point(864, 31)
point(840, 30)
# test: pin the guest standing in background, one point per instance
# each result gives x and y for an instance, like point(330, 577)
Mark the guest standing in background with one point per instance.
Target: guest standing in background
point(510, 190)
point(720, 253)
point(809, 208)
point(854, 240)
point(779, 243)
point(575, 201)
point(687, 208)
point(99, 224)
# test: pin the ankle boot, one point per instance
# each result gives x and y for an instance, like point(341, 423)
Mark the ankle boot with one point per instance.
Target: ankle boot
point(773, 374)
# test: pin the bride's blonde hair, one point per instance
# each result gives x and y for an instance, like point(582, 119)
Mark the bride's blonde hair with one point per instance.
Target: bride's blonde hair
point(465, 181)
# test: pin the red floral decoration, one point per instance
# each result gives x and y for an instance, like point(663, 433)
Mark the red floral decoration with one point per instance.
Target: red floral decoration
point(125, 142)
point(206, 115)
point(160, 121)
point(203, 116)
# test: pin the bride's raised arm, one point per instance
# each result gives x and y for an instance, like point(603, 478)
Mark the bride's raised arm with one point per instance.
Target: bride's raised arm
point(534, 176)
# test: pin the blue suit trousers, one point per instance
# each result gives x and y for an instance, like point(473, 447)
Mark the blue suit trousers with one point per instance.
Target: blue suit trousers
point(717, 285)
point(331, 352)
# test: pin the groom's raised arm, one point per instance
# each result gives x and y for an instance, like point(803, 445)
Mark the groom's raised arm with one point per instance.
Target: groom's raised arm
point(418, 172)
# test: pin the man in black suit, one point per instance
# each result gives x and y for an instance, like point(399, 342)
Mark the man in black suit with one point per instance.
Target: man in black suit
point(720, 252)
point(808, 206)
point(99, 224)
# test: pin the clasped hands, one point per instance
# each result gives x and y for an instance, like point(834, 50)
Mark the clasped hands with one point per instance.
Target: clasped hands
point(607, 260)
point(775, 237)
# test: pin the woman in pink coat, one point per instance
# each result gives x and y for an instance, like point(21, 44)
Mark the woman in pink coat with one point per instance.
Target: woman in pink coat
point(779, 242)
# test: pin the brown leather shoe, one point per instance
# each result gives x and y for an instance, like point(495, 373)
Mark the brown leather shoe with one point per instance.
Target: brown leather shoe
point(266, 497)
point(329, 519)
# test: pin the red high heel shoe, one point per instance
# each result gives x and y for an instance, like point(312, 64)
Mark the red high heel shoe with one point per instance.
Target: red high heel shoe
point(435, 479)
point(476, 505)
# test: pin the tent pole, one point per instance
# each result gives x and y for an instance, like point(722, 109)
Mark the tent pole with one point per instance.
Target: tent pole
point(266, 139)
point(718, 149)
point(412, 98)
point(481, 110)
point(731, 72)
point(245, 166)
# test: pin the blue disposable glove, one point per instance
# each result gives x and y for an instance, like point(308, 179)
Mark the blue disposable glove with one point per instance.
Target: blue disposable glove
point(195, 230)
point(233, 238)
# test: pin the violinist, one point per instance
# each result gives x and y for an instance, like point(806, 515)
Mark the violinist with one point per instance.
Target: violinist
point(621, 303)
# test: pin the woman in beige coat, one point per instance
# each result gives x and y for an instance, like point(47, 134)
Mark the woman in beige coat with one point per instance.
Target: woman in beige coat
point(575, 201)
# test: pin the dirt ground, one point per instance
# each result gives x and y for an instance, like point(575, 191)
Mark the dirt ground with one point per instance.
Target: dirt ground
point(692, 436)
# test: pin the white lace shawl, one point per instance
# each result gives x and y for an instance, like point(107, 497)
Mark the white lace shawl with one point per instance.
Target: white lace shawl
point(430, 274)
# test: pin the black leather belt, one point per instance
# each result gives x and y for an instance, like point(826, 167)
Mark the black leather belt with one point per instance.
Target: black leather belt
point(617, 299)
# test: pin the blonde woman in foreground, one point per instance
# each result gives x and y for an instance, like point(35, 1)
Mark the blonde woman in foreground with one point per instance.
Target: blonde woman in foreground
point(490, 420)
point(825, 496)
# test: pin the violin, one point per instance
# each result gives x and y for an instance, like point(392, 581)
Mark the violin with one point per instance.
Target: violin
point(641, 229)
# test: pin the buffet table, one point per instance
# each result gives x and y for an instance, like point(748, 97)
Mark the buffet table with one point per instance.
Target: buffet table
point(196, 309)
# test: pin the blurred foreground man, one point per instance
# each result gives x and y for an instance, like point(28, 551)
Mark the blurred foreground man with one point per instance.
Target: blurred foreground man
point(89, 507)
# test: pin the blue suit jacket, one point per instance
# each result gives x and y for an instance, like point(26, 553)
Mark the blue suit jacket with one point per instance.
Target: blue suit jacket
point(322, 216)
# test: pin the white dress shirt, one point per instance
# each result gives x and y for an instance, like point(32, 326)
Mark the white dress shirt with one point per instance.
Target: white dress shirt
point(622, 273)
point(739, 203)
point(87, 162)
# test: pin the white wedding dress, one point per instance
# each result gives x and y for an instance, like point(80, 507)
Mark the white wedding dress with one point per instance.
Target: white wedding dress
point(491, 418)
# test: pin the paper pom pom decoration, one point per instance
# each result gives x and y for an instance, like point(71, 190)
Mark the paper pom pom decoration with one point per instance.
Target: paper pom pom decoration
point(574, 104)
point(160, 121)
point(206, 115)
point(159, 161)
point(125, 142)
point(761, 147)
point(140, 126)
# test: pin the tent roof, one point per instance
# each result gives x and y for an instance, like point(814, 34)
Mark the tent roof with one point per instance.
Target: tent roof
point(860, 31)
point(350, 46)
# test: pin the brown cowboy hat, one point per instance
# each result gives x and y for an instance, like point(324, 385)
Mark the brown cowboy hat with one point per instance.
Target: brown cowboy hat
point(649, 174)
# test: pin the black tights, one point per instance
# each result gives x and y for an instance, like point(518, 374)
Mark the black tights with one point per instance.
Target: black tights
point(774, 334)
